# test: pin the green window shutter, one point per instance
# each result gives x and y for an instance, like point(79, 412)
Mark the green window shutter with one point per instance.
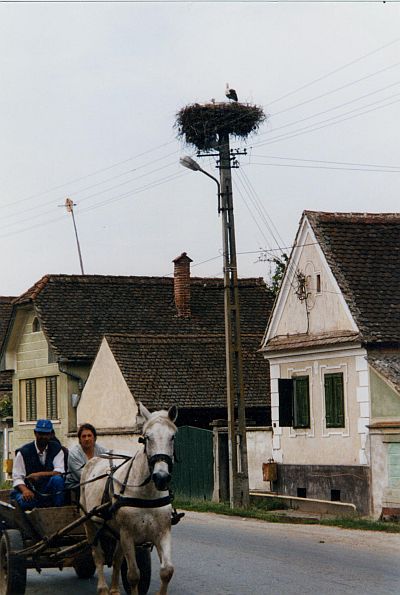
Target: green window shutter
point(30, 395)
point(334, 400)
point(301, 402)
point(51, 397)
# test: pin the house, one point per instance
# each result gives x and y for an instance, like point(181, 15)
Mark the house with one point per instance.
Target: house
point(333, 343)
point(5, 375)
point(57, 330)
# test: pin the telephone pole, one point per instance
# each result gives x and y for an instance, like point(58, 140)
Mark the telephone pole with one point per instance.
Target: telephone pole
point(238, 466)
point(207, 127)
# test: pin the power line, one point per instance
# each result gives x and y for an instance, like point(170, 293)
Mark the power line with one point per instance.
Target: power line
point(321, 78)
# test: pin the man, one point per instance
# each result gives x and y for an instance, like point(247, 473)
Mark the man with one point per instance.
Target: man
point(38, 469)
point(81, 453)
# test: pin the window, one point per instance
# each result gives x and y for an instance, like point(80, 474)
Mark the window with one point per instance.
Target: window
point(35, 325)
point(30, 399)
point(334, 400)
point(318, 283)
point(51, 397)
point(301, 402)
point(294, 402)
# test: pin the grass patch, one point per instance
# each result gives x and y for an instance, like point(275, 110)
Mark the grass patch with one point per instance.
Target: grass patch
point(272, 512)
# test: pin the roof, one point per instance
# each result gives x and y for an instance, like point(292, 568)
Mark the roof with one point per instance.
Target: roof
point(188, 371)
point(387, 364)
point(76, 311)
point(5, 315)
point(302, 341)
point(363, 252)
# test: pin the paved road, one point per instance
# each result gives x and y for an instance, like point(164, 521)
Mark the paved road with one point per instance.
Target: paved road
point(216, 555)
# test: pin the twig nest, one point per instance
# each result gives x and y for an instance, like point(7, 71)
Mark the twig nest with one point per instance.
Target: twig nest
point(203, 125)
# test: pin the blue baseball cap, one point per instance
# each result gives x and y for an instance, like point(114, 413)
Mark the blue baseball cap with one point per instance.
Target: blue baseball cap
point(44, 426)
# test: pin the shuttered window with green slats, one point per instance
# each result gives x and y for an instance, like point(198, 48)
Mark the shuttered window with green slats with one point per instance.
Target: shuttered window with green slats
point(30, 396)
point(334, 400)
point(51, 397)
point(301, 402)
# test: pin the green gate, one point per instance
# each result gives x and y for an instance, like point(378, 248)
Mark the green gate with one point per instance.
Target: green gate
point(193, 475)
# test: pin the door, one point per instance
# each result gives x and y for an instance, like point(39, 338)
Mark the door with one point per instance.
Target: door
point(193, 475)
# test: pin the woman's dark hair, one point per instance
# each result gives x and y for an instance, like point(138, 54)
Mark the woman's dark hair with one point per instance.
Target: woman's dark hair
point(87, 427)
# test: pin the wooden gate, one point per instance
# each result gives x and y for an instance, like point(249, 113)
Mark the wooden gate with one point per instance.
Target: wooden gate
point(193, 475)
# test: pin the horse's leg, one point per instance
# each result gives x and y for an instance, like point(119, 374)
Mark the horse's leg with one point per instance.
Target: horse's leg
point(117, 562)
point(98, 557)
point(128, 549)
point(166, 569)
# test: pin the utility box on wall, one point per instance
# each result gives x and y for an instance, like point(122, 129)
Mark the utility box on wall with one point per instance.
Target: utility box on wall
point(270, 471)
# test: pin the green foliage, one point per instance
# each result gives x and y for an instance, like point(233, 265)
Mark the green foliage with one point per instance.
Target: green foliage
point(280, 268)
point(276, 514)
point(6, 408)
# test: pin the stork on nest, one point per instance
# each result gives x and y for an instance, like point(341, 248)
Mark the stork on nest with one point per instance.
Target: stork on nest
point(231, 93)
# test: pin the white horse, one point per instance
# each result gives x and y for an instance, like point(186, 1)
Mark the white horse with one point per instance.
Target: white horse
point(140, 503)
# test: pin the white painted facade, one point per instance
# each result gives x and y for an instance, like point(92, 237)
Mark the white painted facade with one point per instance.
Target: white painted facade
point(324, 311)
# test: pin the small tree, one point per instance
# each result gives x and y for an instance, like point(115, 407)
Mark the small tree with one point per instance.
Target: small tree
point(279, 271)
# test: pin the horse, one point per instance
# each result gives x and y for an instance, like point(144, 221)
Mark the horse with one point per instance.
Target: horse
point(140, 503)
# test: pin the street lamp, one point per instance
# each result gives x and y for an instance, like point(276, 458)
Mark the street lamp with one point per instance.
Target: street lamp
point(190, 163)
point(237, 444)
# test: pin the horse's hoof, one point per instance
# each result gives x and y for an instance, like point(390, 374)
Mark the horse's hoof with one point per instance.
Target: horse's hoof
point(115, 592)
point(103, 591)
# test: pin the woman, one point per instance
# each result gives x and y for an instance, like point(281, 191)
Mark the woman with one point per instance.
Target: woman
point(80, 454)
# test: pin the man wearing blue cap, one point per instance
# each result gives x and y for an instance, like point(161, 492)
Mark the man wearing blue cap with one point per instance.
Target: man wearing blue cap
point(38, 469)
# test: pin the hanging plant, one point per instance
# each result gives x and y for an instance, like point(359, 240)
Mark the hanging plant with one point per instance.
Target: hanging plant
point(203, 125)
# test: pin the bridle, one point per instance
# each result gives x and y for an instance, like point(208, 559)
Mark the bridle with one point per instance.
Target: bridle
point(160, 457)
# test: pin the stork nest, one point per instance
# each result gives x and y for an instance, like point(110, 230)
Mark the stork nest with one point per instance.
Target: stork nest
point(203, 125)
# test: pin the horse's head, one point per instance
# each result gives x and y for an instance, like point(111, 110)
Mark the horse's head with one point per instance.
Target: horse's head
point(158, 438)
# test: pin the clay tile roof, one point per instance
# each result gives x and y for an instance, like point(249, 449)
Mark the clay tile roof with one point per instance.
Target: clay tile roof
point(303, 340)
point(6, 304)
point(76, 311)
point(188, 371)
point(363, 251)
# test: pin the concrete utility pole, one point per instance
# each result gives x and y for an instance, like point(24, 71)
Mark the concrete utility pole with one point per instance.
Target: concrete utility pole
point(238, 466)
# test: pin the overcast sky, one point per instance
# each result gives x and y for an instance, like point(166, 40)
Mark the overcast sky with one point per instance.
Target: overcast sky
point(88, 97)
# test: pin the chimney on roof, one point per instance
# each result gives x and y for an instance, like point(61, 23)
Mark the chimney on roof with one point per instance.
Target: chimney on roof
point(182, 284)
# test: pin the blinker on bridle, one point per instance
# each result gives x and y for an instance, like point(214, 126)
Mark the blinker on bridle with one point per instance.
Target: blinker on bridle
point(157, 457)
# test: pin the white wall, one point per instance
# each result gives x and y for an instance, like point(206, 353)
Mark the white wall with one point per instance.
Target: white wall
point(106, 400)
point(259, 450)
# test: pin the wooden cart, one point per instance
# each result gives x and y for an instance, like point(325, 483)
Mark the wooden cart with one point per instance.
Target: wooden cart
point(54, 538)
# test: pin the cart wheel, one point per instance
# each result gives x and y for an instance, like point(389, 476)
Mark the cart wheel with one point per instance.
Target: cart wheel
point(12, 567)
point(84, 565)
point(143, 560)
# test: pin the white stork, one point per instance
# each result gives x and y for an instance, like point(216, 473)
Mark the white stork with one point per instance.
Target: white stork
point(231, 93)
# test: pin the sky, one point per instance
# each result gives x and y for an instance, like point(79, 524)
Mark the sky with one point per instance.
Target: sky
point(88, 98)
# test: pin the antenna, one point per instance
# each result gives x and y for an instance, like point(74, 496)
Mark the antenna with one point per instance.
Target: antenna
point(69, 205)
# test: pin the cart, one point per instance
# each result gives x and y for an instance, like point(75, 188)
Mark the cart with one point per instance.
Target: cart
point(55, 538)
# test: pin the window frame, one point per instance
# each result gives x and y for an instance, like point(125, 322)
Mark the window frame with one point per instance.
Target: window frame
point(51, 397)
point(301, 419)
point(332, 409)
point(30, 399)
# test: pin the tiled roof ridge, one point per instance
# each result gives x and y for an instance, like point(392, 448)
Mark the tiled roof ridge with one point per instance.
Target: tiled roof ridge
point(7, 299)
point(33, 291)
point(140, 337)
point(337, 216)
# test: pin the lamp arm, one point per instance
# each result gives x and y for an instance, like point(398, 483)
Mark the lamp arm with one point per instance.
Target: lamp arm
point(218, 185)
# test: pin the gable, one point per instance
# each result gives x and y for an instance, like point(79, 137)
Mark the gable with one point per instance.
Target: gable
point(310, 301)
point(385, 400)
point(106, 400)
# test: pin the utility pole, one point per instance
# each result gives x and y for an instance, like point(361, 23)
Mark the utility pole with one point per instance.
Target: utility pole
point(207, 127)
point(238, 466)
point(69, 204)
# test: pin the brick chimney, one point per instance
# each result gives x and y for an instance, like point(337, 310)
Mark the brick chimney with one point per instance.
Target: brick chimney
point(182, 284)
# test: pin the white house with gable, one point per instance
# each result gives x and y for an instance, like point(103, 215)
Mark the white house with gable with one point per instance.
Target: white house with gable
point(333, 343)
